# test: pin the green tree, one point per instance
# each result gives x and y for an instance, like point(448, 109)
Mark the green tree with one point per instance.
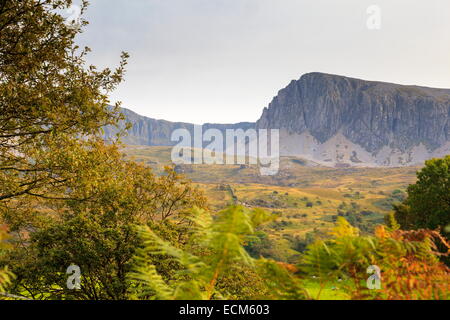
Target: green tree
point(52, 109)
point(51, 102)
point(428, 202)
point(67, 196)
point(96, 233)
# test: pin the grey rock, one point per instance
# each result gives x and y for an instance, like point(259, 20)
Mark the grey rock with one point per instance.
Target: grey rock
point(370, 114)
point(152, 132)
point(336, 121)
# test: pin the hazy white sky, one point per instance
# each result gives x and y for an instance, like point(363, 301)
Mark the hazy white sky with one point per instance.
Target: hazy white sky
point(224, 60)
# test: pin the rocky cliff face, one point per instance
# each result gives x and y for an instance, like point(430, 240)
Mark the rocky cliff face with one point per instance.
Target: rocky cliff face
point(335, 119)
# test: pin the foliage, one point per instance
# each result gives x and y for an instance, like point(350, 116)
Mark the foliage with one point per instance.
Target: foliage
point(94, 229)
point(51, 104)
point(5, 275)
point(281, 281)
point(428, 201)
point(70, 198)
point(410, 268)
point(391, 222)
point(259, 245)
point(242, 281)
point(66, 195)
point(209, 260)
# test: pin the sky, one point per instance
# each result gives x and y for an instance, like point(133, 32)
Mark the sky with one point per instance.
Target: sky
point(223, 61)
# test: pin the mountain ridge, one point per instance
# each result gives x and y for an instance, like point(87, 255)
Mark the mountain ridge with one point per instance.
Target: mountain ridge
point(339, 120)
point(156, 132)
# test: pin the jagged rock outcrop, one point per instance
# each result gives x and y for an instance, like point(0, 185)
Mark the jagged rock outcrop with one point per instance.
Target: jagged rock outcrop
point(338, 119)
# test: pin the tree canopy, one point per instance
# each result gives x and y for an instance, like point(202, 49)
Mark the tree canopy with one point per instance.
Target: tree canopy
point(428, 202)
point(51, 103)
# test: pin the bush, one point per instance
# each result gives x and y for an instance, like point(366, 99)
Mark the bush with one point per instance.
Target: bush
point(408, 260)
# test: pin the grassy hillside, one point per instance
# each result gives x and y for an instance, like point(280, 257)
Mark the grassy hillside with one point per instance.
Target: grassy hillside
point(307, 198)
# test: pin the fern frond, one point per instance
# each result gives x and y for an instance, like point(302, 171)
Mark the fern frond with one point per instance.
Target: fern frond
point(154, 245)
point(6, 277)
point(150, 283)
point(281, 283)
point(214, 246)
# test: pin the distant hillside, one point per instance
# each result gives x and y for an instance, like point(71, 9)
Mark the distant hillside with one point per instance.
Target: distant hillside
point(337, 121)
point(151, 132)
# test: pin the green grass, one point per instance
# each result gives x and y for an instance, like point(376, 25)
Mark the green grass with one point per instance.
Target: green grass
point(330, 190)
point(330, 291)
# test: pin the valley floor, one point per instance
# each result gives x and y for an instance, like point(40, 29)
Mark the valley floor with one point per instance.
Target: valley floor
point(307, 199)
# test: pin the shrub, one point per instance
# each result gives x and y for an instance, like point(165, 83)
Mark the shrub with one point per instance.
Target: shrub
point(408, 260)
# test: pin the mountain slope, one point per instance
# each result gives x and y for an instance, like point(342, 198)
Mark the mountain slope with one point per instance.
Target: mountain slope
point(337, 121)
point(152, 132)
